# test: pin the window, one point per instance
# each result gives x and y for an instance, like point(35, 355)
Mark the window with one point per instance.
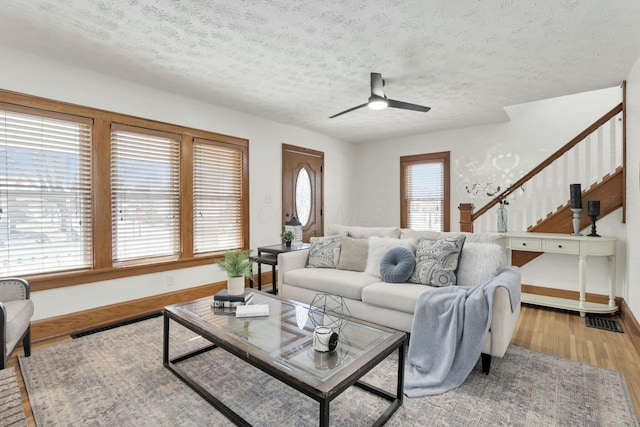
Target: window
point(145, 193)
point(88, 195)
point(218, 189)
point(424, 190)
point(303, 196)
point(45, 191)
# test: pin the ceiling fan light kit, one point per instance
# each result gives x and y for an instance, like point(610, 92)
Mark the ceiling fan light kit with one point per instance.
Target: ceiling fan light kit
point(379, 101)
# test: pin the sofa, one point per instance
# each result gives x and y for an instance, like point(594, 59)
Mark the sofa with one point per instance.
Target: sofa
point(351, 269)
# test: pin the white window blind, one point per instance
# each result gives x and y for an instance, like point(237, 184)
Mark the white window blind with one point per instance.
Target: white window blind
point(145, 193)
point(217, 196)
point(45, 192)
point(424, 195)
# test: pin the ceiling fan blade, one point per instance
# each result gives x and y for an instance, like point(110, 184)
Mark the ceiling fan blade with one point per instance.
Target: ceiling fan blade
point(407, 106)
point(347, 111)
point(377, 85)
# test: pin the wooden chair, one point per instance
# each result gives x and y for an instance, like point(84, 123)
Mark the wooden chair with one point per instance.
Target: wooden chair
point(15, 321)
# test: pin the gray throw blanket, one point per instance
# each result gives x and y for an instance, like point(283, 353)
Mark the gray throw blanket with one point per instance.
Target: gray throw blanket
point(449, 328)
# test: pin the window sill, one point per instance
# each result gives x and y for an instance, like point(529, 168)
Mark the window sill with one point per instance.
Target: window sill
point(77, 277)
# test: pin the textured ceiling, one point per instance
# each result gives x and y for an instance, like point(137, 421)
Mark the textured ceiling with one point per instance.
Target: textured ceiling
point(301, 61)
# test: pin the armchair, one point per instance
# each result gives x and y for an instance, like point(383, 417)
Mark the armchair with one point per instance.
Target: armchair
point(15, 319)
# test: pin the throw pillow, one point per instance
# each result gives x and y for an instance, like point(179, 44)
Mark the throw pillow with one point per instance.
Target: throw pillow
point(397, 265)
point(363, 232)
point(478, 262)
point(379, 246)
point(353, 254)
point(324, 252)
point(437, 261)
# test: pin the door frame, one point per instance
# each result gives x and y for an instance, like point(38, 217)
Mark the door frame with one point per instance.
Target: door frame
point(309, 152)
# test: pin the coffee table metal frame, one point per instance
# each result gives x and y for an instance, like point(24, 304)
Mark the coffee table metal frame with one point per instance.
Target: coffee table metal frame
point(397, 342)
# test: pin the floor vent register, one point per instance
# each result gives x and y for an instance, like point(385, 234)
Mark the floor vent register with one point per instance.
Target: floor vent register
point(601, 323)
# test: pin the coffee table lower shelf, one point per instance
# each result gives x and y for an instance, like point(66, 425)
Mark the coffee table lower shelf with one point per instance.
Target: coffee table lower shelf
point(324, 399)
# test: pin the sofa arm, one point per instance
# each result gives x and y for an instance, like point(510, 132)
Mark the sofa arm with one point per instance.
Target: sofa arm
point(288, 261)
point(503, 322)
point(13, 289)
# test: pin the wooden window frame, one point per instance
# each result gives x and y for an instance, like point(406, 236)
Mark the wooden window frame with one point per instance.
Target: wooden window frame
point(440, 157)
point(103, 268)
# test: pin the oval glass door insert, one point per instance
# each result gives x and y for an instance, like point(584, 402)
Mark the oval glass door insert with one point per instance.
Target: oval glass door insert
point(303, 196)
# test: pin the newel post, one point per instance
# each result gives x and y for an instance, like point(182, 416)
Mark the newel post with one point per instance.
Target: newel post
point(466, 214)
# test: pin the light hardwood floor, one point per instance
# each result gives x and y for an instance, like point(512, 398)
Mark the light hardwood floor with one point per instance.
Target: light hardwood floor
point(549, 331)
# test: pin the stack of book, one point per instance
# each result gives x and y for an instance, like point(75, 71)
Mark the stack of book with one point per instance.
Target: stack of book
point(223, 300)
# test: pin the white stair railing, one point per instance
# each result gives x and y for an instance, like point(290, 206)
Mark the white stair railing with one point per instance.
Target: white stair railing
point(596, 156)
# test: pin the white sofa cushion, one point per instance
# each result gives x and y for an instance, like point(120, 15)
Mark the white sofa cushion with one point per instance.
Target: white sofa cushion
point(363, 232)
point(498, 238)
point(344, 283)
point(478, 262)
point(394, 296)
point(379, 246)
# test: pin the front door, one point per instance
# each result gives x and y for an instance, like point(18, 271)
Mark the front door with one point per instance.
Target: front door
point(302, 194)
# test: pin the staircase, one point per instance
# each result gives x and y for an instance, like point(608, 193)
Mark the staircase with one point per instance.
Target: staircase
point(539, 201)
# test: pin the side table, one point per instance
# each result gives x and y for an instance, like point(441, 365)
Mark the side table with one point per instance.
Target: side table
point(269, 255)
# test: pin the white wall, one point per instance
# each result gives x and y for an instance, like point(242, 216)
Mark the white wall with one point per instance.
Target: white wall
point(500, 154)
point(45, 78)
point(633, 189)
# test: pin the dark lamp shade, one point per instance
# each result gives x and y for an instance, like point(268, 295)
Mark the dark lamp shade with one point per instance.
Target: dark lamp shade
point(576, 196)
point(593, 207)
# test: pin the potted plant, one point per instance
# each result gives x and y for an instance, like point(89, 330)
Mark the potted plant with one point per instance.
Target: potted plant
point(237, 266)
point(287, 237)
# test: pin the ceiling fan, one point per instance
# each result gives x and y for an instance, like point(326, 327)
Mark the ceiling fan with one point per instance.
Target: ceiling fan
point(378, 100)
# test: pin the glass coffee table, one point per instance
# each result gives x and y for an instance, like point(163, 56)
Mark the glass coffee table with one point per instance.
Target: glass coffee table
point(281, 346)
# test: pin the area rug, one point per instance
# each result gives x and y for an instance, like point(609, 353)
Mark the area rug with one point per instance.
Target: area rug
point(11, 412)
point(116, 377)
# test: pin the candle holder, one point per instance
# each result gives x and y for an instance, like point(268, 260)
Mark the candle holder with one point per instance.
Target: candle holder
point(576, 221)
point(593, 211)
point(593, 227)
point(575, 193)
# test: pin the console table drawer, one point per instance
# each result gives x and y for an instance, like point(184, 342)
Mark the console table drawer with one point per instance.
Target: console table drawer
point(601, 247)
point(525, 244)
point(560, 246)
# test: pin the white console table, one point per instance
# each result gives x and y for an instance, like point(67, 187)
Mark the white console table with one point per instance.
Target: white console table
point(583, 247)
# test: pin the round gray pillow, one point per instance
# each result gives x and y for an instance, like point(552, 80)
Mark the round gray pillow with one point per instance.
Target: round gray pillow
point(397, 265)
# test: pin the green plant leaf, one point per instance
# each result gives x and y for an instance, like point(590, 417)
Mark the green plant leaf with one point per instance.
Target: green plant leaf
point(288, 236)
point(236, 264)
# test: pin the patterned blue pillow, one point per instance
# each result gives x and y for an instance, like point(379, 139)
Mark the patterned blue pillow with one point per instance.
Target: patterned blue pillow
point(437, 261)
point(324, 251)
point(397, 265)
